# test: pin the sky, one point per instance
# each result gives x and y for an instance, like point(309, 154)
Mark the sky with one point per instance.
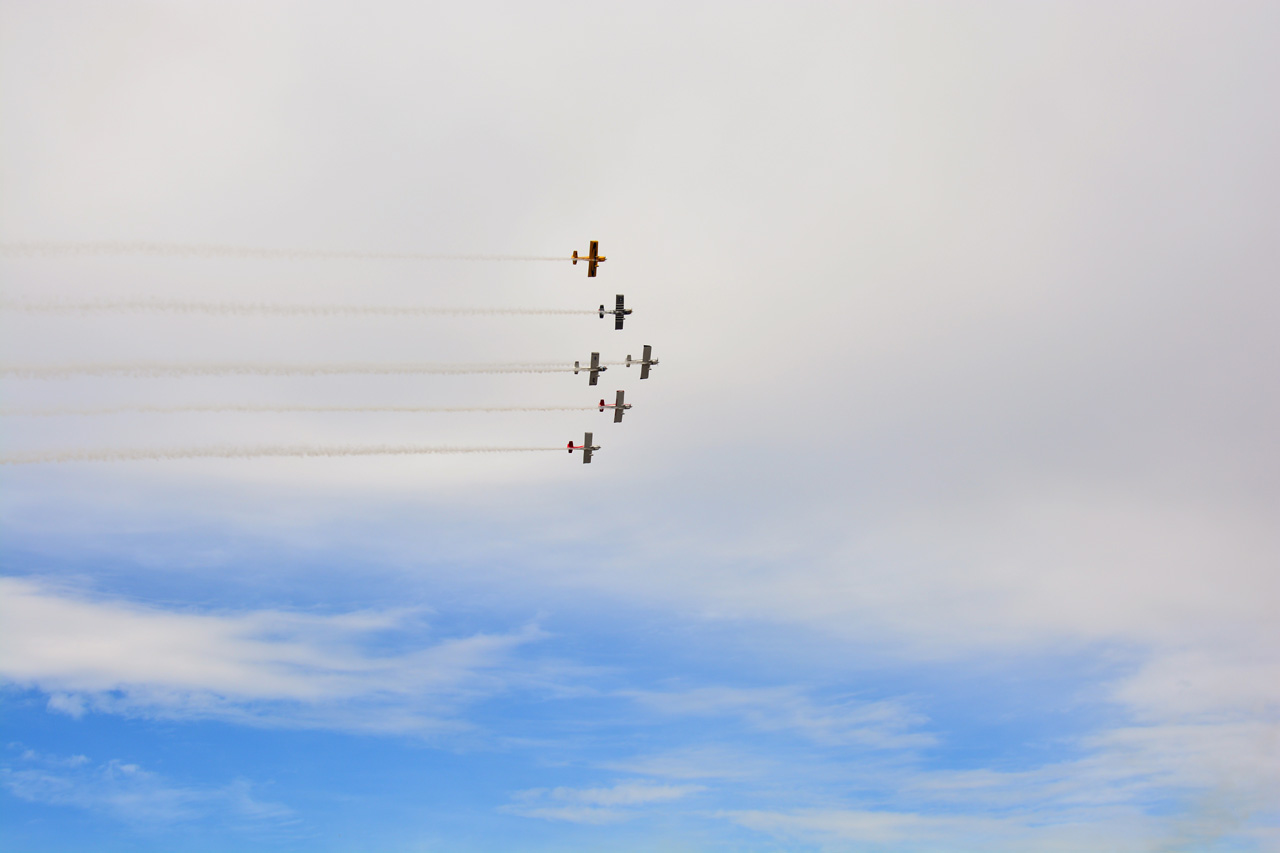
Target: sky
point(946, 523)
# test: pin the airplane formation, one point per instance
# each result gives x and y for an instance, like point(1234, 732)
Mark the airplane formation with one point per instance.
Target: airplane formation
point(594, 368)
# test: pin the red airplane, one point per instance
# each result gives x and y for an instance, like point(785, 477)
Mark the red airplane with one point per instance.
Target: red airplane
point(586, 447)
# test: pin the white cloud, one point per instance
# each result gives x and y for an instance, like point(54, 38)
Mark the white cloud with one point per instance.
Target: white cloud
point(697, 762)
point(988, 294)
point(596, 805)
point(882, 724)
point(1218, 781)
point(265, 667)
point(130, 793)
point(911, 832)
point(1206, 684)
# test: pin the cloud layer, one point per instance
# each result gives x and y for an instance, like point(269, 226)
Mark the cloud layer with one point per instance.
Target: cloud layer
point(264, 667)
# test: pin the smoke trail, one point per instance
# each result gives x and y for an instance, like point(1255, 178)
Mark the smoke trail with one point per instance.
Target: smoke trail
point(55, 249)
point(119, 410)
point(231, 452)
point(156, 370)
point(248, 309)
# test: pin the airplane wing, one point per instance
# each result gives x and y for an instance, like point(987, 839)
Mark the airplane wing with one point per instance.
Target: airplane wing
point(586, 449)
point(618, 316)
point(595, 248)
point(644, 361)
point(644, 370)
point(617, 408)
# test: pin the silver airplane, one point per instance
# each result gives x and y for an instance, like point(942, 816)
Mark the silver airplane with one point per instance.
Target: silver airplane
point(592, 257)
point(645, 361)
point(586, 447)
point(619, 313)
point(619, 407)
point(595, 369)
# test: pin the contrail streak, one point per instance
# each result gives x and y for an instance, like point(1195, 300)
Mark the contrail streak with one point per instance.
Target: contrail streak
point(196, 250)
point(119, 410)
point(144, 369)
point(251, 452)
point(248, 309)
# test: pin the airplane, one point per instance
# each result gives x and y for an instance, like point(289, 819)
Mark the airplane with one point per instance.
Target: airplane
point(593, 258)
point(595, 369)
point(586, 447)
point(619, 407)
point(619, 313)
point(644, 361)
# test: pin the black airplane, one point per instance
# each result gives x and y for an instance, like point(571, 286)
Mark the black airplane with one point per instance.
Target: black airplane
point(619, 313)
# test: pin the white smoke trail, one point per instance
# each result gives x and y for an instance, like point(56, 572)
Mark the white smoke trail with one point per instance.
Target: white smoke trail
point(193, 250)
point(249, 309)
point(232, 452)
point(120, 410)
point(156, 370)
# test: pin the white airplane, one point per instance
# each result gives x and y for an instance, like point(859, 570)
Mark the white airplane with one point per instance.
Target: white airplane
point(586, 447)
point(595, 369)
point(644, 361)
point(619, 407)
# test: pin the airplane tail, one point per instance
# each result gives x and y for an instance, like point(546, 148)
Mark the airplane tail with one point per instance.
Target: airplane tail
point(575, 368)
point(628, 359)
point(602, 405)
point(571, 447)
point(601, 312)
point(575, 257)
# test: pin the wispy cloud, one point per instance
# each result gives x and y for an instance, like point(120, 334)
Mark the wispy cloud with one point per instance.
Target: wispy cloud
point(880, 724)
point(697, 762)
point(1218, 780)
point(596, 805)
point(127, 792)
point(263, 667)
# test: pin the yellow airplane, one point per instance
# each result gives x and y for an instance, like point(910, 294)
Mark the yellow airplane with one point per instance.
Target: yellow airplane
point(593, 258)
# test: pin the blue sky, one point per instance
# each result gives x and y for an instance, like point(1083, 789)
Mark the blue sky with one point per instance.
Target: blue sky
point(947, 522)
